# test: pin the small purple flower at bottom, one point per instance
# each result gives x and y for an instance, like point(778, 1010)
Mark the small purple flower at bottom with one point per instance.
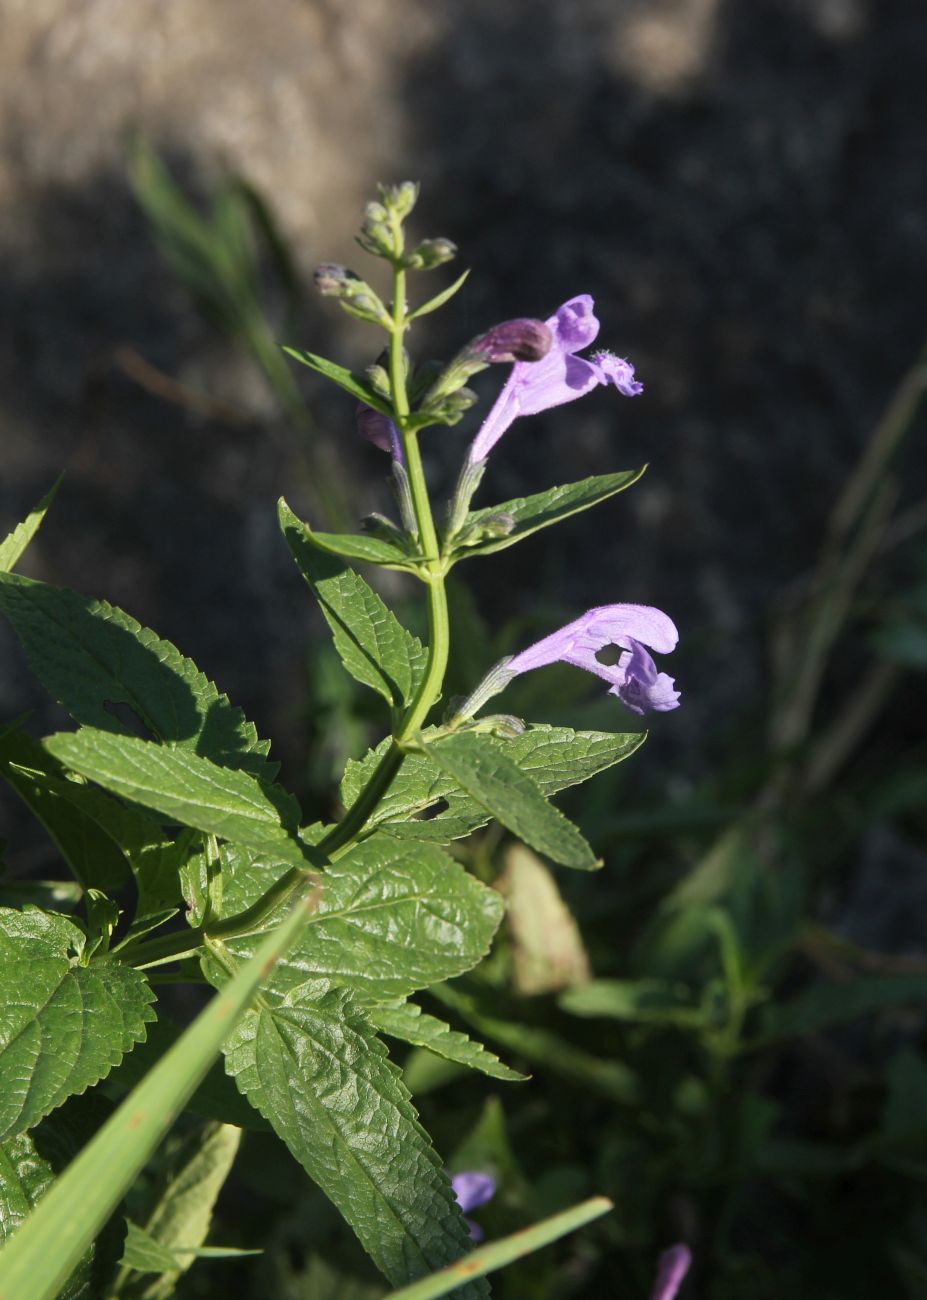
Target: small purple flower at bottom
point(671, 1271)
point(380, 430)
point(473, 1190)
point(634, 679)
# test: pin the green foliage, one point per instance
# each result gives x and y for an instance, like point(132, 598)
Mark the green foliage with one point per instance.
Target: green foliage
point(13, 547)
point(181, 786)
point(315, 1069)
point(92, 658)
point(65, 1024)
point(179, 1215)
point(554, 758)
point(407, 1022)
point(482, 768)
point(29, 1164)
point(374, 646)
point(530, 514)
point(394, 916)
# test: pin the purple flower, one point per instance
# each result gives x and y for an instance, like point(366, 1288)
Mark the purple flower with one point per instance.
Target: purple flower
point(473, 1190)
point(671, 1270)
point(561, 376)
point(634, 679)
point(380, 430)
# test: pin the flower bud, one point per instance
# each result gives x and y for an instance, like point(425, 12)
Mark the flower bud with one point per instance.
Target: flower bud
point(377, 428)
point(379, 380)
point(513, 340)
point(430, 253)
point(400, 199)
point(333, 280)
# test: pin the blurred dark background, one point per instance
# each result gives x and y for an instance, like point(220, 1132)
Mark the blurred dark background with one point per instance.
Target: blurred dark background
point(739, 183)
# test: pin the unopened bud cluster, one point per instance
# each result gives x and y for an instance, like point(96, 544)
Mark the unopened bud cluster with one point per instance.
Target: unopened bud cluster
point(355, 295)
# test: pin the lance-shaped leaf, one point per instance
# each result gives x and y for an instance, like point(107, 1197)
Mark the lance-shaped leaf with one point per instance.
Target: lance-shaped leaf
point(359, 546)
point(440, 298)
point(191, 790)
point(483, 769)
point(316, 1070)
point(63, 1026)
point(542, 509)
point(374, 646)
point(410, 1024)
point(29, 1164)
point(394, 916)
point(554, 757)
point(13, 546)
point(356, 385)
point(93, 658)
point(182, 1202)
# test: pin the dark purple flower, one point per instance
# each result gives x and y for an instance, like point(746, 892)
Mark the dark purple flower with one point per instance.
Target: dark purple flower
point(671, 1271)
point(473, 1190)
point(560, 376)
point(634, 679)
point(380, 430)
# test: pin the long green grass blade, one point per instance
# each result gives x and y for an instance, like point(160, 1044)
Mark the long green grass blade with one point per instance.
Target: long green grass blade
point(499, 1253)
point(38, 1259)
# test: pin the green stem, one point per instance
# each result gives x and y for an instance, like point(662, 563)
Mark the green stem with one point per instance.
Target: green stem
point(173, 946)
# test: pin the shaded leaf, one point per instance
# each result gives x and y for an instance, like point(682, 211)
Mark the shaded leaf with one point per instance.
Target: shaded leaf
point(824, 1005)
point(92, 658)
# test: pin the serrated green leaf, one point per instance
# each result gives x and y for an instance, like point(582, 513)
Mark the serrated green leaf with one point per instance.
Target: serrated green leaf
point(13, 546)
point(374, 646)
point(484, 770)
point(29, 1164)
point(555, 758)
point(441, 298)
point(360, 546)
point(184, 1197)
point(92, 657)
point(63, 1026)
point(316, 1070)
point(351, 383)
point(191, 790)
point(409, 1023)
point(394, 916)
point(545, 508)
point(34, 1264)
